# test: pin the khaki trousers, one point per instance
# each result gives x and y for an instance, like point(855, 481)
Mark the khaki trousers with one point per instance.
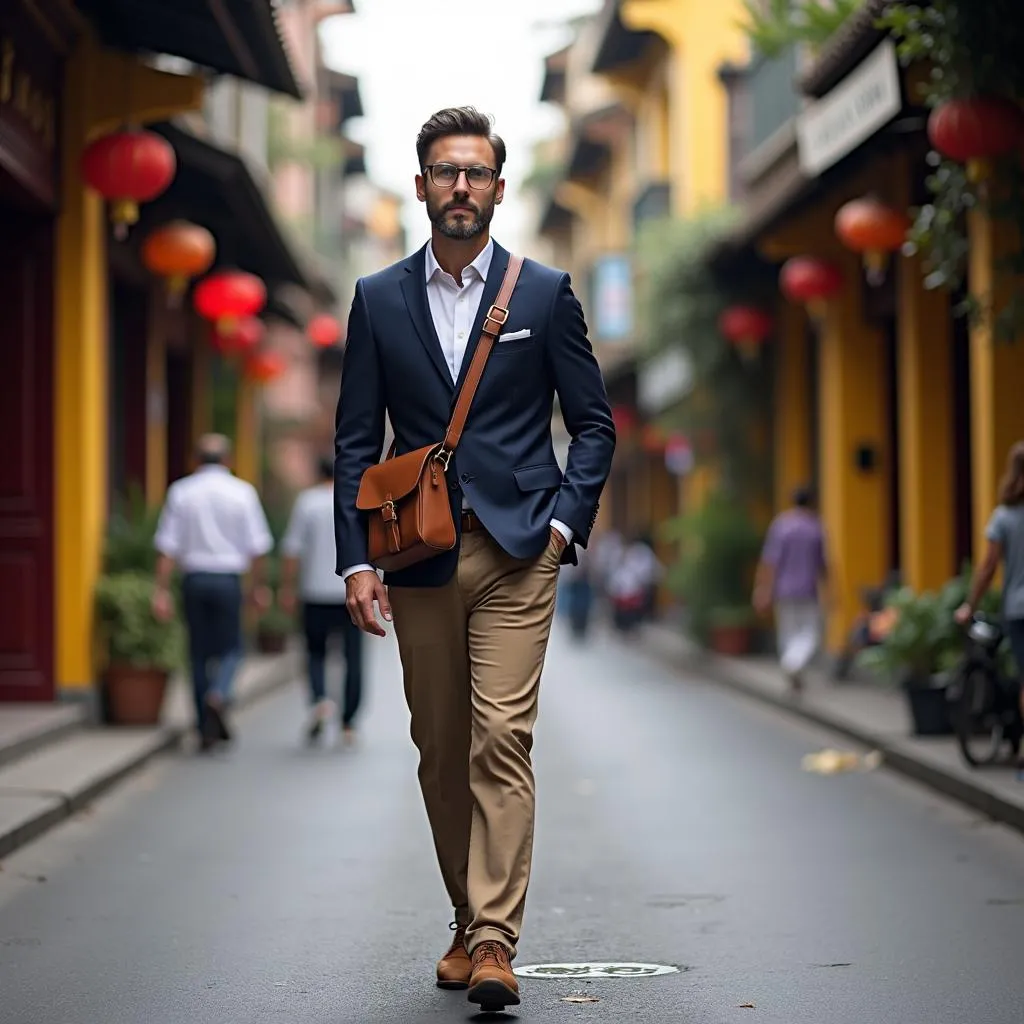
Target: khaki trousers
point(472, 653)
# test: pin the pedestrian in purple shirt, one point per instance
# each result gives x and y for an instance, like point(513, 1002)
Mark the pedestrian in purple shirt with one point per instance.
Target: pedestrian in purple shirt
point(792, 576)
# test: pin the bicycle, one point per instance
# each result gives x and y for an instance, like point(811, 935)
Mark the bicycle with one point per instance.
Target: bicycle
point(984, 698)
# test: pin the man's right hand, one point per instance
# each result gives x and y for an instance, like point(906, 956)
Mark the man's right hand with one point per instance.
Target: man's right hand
point(363, 588)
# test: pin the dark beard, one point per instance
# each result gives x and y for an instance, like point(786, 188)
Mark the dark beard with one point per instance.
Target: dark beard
point(468, 226)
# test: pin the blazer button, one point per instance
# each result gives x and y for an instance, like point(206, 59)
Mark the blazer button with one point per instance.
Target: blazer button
point(453, 484)
point(466, 477)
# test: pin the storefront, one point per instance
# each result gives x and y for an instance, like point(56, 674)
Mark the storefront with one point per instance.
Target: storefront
point(31, 68)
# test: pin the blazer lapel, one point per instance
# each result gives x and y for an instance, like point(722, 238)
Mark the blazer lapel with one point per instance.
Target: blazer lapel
point(495, 275)
point(414, 288)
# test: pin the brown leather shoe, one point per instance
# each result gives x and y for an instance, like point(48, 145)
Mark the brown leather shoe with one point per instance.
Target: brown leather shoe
point(492, 984)
point(455, 967)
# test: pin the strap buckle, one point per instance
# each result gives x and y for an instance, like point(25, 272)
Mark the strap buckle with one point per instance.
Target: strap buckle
point(496, 315)
point(444, 456)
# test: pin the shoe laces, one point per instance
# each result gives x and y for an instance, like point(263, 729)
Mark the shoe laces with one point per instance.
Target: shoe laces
point(491, 952)
point(458, 939)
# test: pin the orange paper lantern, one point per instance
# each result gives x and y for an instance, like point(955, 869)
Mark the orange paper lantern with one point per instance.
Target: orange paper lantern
point(177, 252)
point(263, 367)
point(869, 227)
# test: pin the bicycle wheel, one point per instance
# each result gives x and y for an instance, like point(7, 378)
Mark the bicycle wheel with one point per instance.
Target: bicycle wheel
point(976, 718)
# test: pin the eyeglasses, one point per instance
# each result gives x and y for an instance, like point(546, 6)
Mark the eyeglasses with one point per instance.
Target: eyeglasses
point(446, 175)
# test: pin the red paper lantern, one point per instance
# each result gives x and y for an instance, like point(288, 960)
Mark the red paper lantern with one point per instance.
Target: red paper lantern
point(177, 252)
point(228, 295)
point(747, 327)
point(323, 331)
point(264, 367)
point(245, 335)
point(811, 281)
point(874, 230)
point(976, 131)
point(653, 439)
point(128, 168)
point(624, 420)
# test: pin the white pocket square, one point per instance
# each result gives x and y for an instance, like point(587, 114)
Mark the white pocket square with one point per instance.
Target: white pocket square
point(516, 335)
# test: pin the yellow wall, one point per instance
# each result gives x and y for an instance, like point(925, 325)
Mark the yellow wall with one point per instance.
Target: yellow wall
point(700, 36)
point(792, 440)
point(997, 370)
point(102, 89)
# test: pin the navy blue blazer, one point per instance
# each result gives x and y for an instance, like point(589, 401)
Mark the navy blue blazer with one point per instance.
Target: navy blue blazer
point(505, 464)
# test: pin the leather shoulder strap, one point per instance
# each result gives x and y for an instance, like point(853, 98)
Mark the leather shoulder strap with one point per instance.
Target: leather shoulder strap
point(493, 322)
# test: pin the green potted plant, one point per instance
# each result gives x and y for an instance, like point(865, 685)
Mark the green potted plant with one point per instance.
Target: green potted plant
point(141, 652)
point(913, 654)
point(273, 628)
point(719, 546)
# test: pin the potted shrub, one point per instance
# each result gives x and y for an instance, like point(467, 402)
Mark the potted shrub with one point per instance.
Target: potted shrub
point(141, 652)
point(272, 631)
point(719, 546)
point(914, 653)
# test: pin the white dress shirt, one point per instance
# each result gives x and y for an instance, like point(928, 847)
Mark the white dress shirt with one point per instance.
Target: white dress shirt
point(213, 522)
point(310, 539)
point(453, 308)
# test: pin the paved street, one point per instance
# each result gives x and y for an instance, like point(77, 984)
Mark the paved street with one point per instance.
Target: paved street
point(675, 827)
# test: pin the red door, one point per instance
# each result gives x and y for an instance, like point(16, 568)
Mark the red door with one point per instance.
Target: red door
point(26, 458)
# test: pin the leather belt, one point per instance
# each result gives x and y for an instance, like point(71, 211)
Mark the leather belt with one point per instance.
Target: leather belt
point(470, 522)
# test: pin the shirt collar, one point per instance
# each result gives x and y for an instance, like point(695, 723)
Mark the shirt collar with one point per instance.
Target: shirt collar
point(482, 264)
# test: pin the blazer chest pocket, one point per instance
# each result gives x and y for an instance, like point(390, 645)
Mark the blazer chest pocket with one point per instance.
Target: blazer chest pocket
point(513, 345)
point(538, 478)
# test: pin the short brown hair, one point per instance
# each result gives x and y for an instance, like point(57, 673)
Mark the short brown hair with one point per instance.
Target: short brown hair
point(458, 121)
point(1011, 487)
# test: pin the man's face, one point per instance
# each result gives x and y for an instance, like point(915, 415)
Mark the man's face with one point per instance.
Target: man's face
point(458, 209)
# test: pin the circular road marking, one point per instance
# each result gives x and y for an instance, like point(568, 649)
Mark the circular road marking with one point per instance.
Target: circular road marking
point(556, 972)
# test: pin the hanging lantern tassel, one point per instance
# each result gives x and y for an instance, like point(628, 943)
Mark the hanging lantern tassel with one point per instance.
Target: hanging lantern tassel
point(875, 263)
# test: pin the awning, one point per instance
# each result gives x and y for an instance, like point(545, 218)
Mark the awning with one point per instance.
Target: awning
point(344, 92)
point(593, 136)
point(234, 37)
point(552, 88)
point(216, 188)
point(355, 158)
point(619, 44)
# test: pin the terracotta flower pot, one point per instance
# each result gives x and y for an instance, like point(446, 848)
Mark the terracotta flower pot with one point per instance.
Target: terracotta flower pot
point(135, 696)
point(733, 641)
point(270, 642)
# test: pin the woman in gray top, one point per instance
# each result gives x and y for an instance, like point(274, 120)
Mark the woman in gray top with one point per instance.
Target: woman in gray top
point(1005, 536)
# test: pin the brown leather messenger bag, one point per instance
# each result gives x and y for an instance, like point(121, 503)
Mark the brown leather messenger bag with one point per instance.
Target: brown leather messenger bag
point(406, 496)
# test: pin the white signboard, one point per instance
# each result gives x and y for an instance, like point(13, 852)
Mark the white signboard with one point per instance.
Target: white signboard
point(664, 380)
point(863, 102)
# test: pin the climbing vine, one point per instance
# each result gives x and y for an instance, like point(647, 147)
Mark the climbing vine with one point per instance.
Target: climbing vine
point(968, 48)
point(775, 25)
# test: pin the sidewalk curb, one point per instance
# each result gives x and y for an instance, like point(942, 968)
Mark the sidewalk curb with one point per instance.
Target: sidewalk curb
point(973, 794)
point(274, 677)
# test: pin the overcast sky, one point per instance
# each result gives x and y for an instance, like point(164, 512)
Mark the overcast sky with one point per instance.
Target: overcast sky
point(415, 56)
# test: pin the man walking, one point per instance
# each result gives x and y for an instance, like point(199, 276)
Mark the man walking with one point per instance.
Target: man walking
point(793, 575)
point(473, 623)
point(212, 527)
point(309, 555)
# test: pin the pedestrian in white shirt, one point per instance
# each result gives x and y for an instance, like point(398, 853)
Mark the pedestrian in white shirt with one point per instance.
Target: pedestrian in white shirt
point(213, 529)
point(309, 556)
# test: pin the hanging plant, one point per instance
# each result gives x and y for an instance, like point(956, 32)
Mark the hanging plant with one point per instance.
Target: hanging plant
point(975, 77)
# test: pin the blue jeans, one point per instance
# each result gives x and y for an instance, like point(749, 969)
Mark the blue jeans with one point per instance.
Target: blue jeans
point(213, 614)
point(320, 621)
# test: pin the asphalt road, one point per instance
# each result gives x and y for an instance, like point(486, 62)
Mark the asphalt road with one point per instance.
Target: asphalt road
point(675, 827)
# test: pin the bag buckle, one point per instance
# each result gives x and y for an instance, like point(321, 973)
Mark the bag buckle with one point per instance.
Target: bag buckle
point(444, 456)
point(496, 315)
point(387, 510)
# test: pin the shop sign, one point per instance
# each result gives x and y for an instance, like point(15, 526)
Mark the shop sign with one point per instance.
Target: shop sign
point(863, 103)
point(612, 297)
point(664, 380)
point(29, 88)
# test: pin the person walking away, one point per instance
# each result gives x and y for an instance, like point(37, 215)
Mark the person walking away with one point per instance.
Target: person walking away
point(1004, 535)
point(473, 622)
point(309, 558)
point(579, 595)
point(792, 575)
point(213, 529)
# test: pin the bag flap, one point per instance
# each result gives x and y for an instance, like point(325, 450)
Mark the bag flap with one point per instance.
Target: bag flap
point(393, 479)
